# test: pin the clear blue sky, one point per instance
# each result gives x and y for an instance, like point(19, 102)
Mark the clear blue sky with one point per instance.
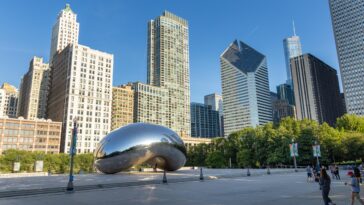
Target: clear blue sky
point(120, 27)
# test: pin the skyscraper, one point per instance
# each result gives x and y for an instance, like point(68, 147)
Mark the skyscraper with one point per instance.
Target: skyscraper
point(33, 94)
point(316, 89)
point(168, 67)
point(122, 109)
point(204, 121)
point(8, 100)
point(292, 48)
point(64, 31)
point(285, 92)
point(347, 20)
point(245, 88)
point(81, 88)
point(281, 108)
point(215, 101)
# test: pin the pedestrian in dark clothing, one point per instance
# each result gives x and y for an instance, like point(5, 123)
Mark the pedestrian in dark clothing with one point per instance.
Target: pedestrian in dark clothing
point(325, 183)
point(337, 172)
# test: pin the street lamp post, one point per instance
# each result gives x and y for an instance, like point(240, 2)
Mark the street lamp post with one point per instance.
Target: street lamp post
point(72, 154)
point(294, 155)
point(317, 154)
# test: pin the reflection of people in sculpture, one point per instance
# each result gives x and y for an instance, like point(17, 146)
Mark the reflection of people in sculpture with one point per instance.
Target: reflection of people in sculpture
point(155, 167)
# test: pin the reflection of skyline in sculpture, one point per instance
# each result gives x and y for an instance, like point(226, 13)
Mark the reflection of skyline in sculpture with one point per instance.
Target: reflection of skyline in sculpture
point(140, 143)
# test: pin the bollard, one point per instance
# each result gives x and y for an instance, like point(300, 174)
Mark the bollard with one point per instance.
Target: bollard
point(248, 172)
point(268, 170)
point(201, 174)
point(164, 177)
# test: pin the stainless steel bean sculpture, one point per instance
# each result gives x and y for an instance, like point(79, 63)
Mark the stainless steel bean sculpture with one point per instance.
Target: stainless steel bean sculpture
point(140, 143)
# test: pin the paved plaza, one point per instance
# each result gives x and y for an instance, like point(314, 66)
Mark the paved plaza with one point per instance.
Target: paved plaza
point(280, 188)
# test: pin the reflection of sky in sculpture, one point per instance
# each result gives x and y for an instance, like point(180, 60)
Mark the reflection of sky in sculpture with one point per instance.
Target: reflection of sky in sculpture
point(140, 142)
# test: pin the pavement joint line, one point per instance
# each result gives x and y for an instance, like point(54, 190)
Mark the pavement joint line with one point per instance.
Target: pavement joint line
point(55, 190)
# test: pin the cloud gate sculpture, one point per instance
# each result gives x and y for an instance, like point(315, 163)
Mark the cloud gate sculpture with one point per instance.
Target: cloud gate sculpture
point(140, 143)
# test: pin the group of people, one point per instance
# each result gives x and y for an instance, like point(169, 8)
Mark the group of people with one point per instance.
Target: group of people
point(313, 174)
point(325, 182)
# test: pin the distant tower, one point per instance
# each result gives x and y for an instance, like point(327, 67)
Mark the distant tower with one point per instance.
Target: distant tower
point(245, 88)
point(64, 31)
point(292, 48)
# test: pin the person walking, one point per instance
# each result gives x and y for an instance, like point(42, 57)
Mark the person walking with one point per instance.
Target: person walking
point(355, 187)
point(337, 172)
point(325, 183)
point(309, 173)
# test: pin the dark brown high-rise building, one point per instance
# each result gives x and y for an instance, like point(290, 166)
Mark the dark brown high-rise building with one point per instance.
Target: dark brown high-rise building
point(316, 89)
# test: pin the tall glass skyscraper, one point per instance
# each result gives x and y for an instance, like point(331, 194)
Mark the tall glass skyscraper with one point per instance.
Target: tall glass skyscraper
point(292, 48)
point(245, 88)
point(348, 23)
point(204, 121)
point(169, 67)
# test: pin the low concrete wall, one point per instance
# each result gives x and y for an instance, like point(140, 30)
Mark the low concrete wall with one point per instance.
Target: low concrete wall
point(15, 175)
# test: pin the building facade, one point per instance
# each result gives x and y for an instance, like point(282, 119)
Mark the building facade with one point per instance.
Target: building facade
point(33, 93)
point(8, 100)
point(168, 67)
point(285, 92)
point(30, 135)
point(245, 88)
point(204, 121)
point(316, 90)
point(65, 31)
point(347, 20)
point(151, 104)
point(282, 109)
point(292, 48)
point(122, 109)
point(215, 101)
point(81, 88)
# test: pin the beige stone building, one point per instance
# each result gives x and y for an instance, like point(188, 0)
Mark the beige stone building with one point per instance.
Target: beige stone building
point(33, 94)
point(193, 141)
point(30, 135)
point(122, 111)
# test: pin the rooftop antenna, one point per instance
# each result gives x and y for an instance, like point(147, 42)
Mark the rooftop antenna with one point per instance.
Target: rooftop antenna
point(294, 28)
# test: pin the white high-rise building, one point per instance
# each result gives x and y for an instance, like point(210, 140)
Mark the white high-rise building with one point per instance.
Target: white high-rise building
point(348, 24)
point(81, 88)
point(245, 88)
point(168, 67)
point(33, 94)
point(292, 48)
point(64, 31)
point(8, 100)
